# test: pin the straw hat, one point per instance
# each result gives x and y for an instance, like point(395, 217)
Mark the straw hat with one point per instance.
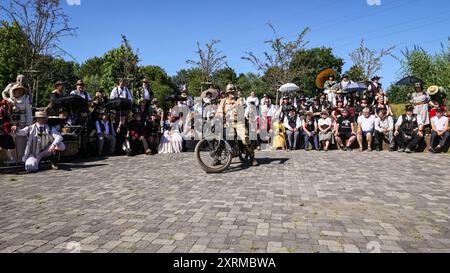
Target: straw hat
point(230, 88)
point(18, 87)
point(41, 114)
point(433, 90)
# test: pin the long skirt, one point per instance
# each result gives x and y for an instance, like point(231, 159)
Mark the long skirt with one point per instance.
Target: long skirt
point(171, 143)
point(325, 137)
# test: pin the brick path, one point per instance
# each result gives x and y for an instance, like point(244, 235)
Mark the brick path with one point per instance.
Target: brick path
point(293, 202)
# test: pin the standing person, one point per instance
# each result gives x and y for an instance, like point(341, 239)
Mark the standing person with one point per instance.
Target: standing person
point(253, 99)
point(187, 99)
point(22, 80)
point(80, 91)
point(310, 130)
point(366, 127)
point(374, 89)
point(439, 131)
point(43, 141)
point(420, 100)
point(325, 125)
point(343, 85)
point(285, 106)
point(293, 125)
point(105, 134)
point(145, 97)
point(384, 131)
point(345, 132)
point(329, 91)
point(6, 140)
point(55, 95)
point(121, 91)
point(21, 116)
point(409, 130)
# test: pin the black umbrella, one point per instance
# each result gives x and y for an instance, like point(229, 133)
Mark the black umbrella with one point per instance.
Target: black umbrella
point(119, 105)
point(73, 103)
point(410, 80)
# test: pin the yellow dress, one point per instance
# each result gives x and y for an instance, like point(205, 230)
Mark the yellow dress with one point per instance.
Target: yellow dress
point(280, 138)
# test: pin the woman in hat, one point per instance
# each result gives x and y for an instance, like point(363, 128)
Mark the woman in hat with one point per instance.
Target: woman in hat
point(437, 99)
point(81, 92)
point(171, 139)
point(375, 88)
point(21, 115)
point(419, 99)
point(325, 125)
point(329, 91)
point(43, 141)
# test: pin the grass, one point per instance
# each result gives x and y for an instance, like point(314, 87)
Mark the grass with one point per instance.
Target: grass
point(398, 109)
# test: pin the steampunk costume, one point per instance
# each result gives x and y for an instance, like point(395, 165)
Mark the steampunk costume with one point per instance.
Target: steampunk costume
point(6, 140)
point(153, 132)
point(105, 133)
point(136, 139)
point(21, 115)
point(437, 99)
point(232, 112)
point(419, 100)
point(408, 127)
point(41, 141)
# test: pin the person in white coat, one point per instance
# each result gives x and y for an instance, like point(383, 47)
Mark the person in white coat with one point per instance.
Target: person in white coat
point(21, 116)
point(43, 141)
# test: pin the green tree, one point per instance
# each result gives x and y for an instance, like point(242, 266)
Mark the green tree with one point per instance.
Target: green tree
point(252, 82)
point(192, 77)
point(160, 83)
point(121, 63)
point(308, 63)
point(224, 76)
point(11, 51)
point(91, 67)
point(356, 74)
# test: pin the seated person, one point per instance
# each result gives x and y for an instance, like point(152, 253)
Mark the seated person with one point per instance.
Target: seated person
point(345, 132)
point(171, 140)
point(153, 131)
point(136, 140)
point(325, 125)
point(293, 125)
point(366, 127)
point(310, 131)
point(408, 130)
point(43, 142)
point(384, 131)
point(439, 131)
point(105, 133)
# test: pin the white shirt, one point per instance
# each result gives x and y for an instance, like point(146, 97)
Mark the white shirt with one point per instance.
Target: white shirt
point(124, 93)
point(146, 94)
point(253, 99)
point(367, 124)
point(298, 123)
point(439, 123)
point(323, 122)
point(387, 123)
point(400, 121)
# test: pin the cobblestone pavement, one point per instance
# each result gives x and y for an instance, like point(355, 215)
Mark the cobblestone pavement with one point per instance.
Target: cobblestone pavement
point(293, 202)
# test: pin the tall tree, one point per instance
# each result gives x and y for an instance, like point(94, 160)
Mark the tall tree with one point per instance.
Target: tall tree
point(275, 66)
point(308, 63)
point(356, 74)
point(369, 60)
point(224, 76)
point(11, 51)
point(121, 63)
point(209, 59)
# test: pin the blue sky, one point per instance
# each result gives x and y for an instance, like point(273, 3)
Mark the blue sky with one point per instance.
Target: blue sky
point(166, 32)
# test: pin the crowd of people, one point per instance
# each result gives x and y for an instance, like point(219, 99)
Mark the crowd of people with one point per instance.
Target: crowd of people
point(334, 118)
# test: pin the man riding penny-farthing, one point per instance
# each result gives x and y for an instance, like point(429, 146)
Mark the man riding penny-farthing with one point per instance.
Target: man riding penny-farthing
point(215, 151)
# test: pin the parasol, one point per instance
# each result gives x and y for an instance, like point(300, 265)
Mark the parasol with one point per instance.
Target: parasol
point(288, 88)
point(355, 87)
point(410, 80)
point(74, 103)
point(323, 77)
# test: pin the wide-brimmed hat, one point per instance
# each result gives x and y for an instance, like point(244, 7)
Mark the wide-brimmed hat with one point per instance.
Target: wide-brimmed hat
point(375, 78)
point(40, 114)
point(58, 83)
point(18, 87)
point(145, 81)
point(80, 83)
point(155, 100)
point(433, 90)
point(230, 88)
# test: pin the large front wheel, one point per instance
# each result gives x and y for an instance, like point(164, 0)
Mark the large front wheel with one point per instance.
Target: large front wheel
point(213, 156)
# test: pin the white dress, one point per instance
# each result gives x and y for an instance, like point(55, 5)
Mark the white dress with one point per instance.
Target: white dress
point(171, 140)
point(22, 107)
